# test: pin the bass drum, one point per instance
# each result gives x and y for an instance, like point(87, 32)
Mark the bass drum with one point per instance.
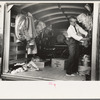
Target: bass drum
point(60, 39)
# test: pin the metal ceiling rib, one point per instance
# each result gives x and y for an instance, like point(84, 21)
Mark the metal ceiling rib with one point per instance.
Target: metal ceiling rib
point(45, 9)
point(51, 14)
point(52, 17)
point(57, 21)
point(62, 17)
point(74, 7)
point(28, 5)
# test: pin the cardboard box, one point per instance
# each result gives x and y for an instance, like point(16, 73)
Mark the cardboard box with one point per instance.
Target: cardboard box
point(43, 63)
point(40, 64)
point(58, 63)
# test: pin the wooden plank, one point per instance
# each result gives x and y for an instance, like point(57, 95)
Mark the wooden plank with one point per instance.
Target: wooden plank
point(12, 57)
point(94, 41)
point(6, 40)
point(17, 61)
point(17, 52)
point(16, 44)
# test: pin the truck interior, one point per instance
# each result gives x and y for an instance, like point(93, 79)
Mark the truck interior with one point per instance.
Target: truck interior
point(49, 40)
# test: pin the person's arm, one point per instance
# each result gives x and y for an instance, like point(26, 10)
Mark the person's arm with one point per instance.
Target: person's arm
point(82, 31)
point(84, 39)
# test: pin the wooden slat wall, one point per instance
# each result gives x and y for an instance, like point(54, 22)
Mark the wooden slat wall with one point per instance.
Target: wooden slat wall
point(17, 50)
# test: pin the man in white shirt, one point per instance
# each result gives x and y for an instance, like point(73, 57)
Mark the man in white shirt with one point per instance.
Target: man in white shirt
point(75, 36)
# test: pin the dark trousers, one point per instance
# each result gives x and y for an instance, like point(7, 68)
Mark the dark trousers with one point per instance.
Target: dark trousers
point(73, 59)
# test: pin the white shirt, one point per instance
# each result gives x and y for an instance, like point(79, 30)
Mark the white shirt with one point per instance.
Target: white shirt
point(72, 32)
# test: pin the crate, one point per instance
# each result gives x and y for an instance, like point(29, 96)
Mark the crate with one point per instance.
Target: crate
point(58, 63)
point(40, 65)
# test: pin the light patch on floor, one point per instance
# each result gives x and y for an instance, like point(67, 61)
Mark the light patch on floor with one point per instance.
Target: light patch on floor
point(52, 74)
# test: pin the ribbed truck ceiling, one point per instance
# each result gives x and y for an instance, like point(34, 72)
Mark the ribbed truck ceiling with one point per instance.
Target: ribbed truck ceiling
point(54, 13)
